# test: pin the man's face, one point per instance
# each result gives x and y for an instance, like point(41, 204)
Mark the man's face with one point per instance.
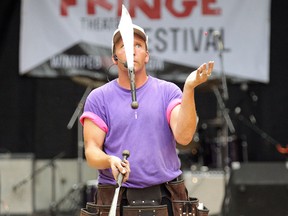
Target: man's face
point(141, 55)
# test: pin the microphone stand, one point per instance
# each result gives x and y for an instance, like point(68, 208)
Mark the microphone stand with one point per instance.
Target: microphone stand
point(218, 40)
point(74, 117)
point(227, 123)
point(223, 77)
point(256, 129)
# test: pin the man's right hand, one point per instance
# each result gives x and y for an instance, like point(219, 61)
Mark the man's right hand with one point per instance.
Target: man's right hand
point(118, 166)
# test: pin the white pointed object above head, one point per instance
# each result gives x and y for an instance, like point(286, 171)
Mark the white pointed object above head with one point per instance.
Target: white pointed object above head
point(127, 34)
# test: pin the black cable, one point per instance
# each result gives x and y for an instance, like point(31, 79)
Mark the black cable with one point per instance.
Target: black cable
point(107, 71)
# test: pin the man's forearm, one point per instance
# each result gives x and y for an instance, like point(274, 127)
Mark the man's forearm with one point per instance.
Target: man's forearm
point(187, 118)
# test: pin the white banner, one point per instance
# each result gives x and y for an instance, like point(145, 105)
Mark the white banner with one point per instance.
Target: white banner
point(73, 37)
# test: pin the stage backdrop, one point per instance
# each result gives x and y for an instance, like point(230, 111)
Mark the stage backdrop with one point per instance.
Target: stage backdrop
point(73, 37)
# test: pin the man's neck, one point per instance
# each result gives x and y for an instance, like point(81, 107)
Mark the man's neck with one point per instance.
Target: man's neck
point(124, 80)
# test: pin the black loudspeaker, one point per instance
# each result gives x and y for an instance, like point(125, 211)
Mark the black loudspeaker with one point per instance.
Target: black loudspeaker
point(257, 189)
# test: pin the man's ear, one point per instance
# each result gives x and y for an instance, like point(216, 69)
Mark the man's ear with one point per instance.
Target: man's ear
point(114, 59)
point(147, 57)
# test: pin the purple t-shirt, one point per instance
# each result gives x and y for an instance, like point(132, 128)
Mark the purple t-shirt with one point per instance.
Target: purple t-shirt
point(145, 131)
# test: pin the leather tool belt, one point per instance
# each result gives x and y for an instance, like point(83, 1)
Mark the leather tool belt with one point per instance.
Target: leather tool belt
point(145, 202)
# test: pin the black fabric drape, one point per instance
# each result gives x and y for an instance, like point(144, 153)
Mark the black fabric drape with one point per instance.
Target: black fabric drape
point(34, 112)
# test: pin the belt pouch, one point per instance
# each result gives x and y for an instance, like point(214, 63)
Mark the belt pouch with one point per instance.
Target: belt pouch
point(203, 212)
point(177, 190)
point(181, 203)
point(98, 210)
point(105, 194)
point(160, 210)
point(144, 196)
point(85, 212)
point(103, 200)
point(189, 207)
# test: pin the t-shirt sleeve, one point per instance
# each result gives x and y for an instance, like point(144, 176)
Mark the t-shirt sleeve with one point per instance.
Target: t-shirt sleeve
point(174, 98)
point(171, 106)
point(94, 110)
